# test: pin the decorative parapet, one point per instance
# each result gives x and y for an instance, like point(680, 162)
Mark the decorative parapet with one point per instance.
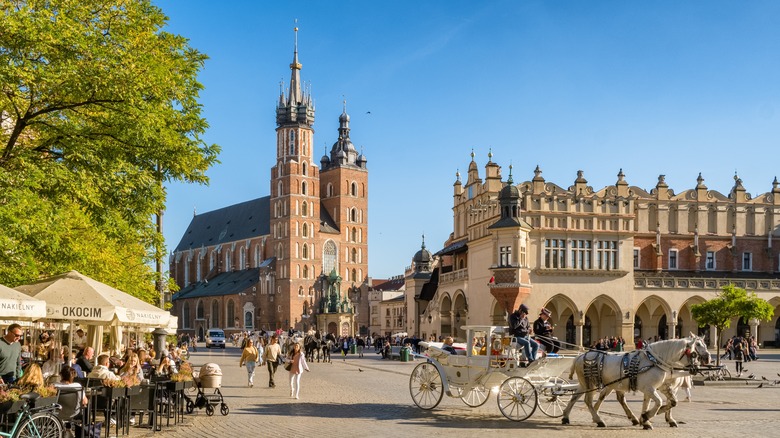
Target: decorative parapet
point(582, 272)
point(450, 277)
point(705, 283)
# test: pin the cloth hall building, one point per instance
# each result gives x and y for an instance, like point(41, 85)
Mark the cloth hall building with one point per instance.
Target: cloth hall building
point(297, 258)
point(620, 261)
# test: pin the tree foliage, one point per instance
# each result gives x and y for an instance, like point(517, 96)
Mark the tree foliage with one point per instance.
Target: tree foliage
point(731, 303)
point(98, 107)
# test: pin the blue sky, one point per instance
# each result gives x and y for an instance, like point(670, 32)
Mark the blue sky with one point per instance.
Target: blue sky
point(662, 87)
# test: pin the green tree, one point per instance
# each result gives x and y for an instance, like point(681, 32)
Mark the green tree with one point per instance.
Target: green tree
point(732, 302)
point(98, 107)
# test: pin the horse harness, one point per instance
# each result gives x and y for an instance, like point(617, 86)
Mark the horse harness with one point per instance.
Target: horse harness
point(593, 368)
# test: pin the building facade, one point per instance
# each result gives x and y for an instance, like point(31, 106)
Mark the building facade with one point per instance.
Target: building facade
point(307, 241)
point(620, 261)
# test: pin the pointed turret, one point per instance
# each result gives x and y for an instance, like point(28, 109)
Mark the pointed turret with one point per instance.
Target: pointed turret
point(297, 107)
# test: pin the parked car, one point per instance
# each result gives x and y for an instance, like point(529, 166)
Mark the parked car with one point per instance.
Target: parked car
point(215, 338)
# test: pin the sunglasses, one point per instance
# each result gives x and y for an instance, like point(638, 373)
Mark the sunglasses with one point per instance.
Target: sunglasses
point(17, 335)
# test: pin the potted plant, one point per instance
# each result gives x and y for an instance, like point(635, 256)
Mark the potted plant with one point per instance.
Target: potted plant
point(114, 388)
point(183, 379)
point(132, 384)
point(47, 396)
point(10, 401)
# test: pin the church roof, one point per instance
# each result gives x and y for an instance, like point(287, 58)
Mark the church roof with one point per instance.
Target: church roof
point(327, 224)
point(240, 221)
point(226, 283)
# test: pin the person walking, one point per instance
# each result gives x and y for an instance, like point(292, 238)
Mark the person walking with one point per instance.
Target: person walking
point(271, 354)
point(249, 357)
point(297, 365)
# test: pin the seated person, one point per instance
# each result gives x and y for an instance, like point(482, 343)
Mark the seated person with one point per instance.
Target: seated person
point(80, 339)
point(101, 371)
point(32, 379)
point(52, 366)
point(132, 368)
point(71, 361)
point(448, 345)
point(166, 367)
point(386, 351)
point(67, 375)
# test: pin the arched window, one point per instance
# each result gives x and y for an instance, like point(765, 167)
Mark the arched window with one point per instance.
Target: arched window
point(329, 190)
point(353, 188)
point(354, 255)
point(329, 257)
point(354, 234)
point(303, 188)
point(305, 251)
point(248, 320)
point(300, 291)
point(187, 262)
point(257, 256)
point(353, 215)
point(241, 260)
point(280, 252)
point(279, 191)
point(305, 209)
point(305, 271)
point(198, 269)
point(227, 260)
point(231, 314)
point(305, 230)
point(292, 142)
point(304, 169)
point(212, 260)
point(353, 276)
point(199, 310)
point(185, 315)
point(215, 314)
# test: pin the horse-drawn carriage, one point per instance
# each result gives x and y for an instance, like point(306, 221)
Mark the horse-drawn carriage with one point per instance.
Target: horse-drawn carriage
point(520, 388)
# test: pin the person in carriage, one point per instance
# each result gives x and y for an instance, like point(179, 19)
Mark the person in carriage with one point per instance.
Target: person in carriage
point(521, 330)
point(543, 330)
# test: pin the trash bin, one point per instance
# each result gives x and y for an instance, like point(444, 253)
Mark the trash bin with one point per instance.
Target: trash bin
point(353, 349)
point(405, 354)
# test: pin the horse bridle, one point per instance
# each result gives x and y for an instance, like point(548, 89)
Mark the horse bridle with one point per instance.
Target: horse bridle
point(693, 357)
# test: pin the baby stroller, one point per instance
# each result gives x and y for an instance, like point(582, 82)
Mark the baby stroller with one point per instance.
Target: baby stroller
point(209, 377)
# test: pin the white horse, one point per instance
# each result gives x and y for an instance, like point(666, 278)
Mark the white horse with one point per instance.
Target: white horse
point(669, 389)
point(644, 370)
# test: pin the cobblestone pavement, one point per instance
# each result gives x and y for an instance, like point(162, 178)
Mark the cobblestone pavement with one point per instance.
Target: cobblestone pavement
point(370, 397)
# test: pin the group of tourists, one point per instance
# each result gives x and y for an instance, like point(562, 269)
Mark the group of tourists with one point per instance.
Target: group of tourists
point(542, 331)
point(741, 349)
point(255, 351)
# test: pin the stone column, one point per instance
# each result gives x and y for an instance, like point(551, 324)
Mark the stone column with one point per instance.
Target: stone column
point(672, 330)
point(578, 333)
point(754, 329)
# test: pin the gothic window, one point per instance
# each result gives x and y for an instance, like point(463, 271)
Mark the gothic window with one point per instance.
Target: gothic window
point(212, 260)
point(257, 256)
point(187, 262)
point(304, 169)
point(354, 189)
point(304, 209)
point(185, 315)
point(303, 188)
point(199, 311)
point(354, 234)
point(329, 190)
point(198, 269)
point(227, 260)
point(305, 252)
point(353, 215)
point(241, 261)
point(215, 314)
point(305, 271)
point(279, 191)
point(354, 255)
point(292, 142)
point(231, 313)
point(305, 230)
point(353, 276)
point(329, 257)
point(280, 252)
point(300, 291)
point(248, 319)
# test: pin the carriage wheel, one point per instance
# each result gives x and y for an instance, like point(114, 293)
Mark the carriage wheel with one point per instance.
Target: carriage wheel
point(190, 406)
point(517, 398)
point(425, 386)
point(475, 397)
point(223, 409)
point(551, 401)
point(209, 410)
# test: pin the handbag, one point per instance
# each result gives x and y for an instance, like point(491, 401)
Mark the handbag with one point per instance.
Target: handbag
point(288, 366)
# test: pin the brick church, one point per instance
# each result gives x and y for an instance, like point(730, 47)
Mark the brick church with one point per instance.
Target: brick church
point(297, 258)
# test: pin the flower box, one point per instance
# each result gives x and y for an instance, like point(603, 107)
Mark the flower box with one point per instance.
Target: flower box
point(174, 386)
point(45, 401)
point(11, 407)
point(113, 393)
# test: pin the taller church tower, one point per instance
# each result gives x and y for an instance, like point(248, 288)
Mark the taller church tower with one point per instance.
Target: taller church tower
point(295, 202)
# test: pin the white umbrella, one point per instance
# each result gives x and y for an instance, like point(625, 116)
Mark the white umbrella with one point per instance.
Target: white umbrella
point(76, 297)
point(15, 305)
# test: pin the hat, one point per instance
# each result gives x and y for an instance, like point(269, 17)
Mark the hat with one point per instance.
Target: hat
point(545, 312)
point(523, 308)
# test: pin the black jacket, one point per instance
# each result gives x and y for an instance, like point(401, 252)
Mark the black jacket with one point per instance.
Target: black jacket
point(518, 326)
point(542, 328)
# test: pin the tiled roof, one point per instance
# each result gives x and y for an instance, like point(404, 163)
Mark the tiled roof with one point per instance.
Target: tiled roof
point(327, 224)
point(389, 285)
point(240, 221)
point(226, 283)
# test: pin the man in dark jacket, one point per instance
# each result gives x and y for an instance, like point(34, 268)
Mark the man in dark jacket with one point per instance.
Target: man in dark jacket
point(521, 330)
point(543, 330)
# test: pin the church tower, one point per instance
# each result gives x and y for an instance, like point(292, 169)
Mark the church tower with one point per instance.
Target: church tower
point(295, 202)
point(344, 187)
